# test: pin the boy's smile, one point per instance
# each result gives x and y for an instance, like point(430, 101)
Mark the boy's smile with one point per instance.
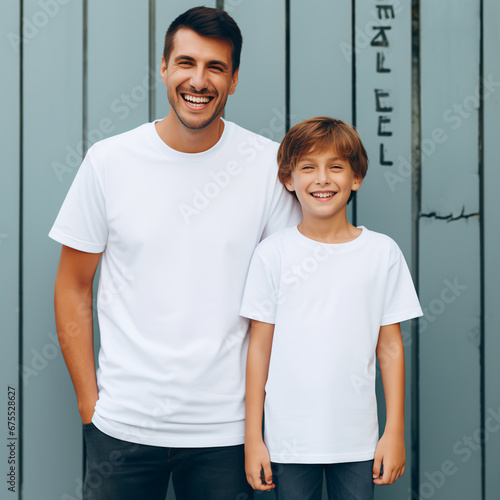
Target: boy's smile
point(323, 195)
point(323, 182)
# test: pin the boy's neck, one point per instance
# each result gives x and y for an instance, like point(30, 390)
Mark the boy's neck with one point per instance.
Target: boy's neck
point(328, 230)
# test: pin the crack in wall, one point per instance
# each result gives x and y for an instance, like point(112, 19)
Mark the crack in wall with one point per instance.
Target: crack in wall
point(450, 218)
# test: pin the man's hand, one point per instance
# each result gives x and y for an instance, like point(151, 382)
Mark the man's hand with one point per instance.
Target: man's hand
point(87, 412)
point(391, 453)
point(257, 461)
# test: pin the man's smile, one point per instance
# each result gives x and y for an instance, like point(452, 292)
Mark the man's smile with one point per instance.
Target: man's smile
point(194, 101)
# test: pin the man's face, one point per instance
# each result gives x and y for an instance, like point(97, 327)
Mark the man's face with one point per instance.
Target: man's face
point(198, 76)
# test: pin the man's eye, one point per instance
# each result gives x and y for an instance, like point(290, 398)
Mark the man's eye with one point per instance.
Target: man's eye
point(217, 68)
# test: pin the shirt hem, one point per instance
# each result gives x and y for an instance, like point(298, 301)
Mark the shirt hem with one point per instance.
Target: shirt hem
point(278, 458)
point(69, 241)
point(246, 313)
point(168, 441)
point(403, 316)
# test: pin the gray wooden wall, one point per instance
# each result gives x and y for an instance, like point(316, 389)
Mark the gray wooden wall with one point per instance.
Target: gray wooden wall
point(421, 82)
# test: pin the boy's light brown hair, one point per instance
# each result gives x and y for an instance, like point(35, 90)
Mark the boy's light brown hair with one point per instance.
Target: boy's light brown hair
point(317, 135)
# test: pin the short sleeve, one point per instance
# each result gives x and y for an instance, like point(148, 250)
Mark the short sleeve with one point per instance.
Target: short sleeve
point(81, 222)
point(260, 298)
point(285, 211)
point(401, 301)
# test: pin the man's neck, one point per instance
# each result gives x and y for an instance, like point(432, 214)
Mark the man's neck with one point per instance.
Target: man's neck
point(185, 140)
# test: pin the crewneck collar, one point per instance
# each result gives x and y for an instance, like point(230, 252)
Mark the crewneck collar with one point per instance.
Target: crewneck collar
point(191, 157)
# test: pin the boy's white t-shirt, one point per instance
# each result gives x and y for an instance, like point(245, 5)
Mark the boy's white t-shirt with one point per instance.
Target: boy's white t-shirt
point(178, 232)
point(327, 302)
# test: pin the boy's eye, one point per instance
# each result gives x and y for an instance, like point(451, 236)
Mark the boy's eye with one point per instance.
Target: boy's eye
point(336, 166)
point(306, 167)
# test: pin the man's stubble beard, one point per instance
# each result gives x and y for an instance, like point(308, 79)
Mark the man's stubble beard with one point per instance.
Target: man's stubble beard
point(198, 126)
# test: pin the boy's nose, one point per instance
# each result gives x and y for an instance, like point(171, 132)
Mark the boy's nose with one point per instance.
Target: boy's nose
point(322, 178)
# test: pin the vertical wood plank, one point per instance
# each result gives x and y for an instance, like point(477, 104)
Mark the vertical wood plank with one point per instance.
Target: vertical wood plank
point(491, 38)
point(52, 120)
point(10, 53)
point(383, 107)
point(118, 67)
point(449, 252)
point(259, 101)
point(166, 12)
point(320, 60)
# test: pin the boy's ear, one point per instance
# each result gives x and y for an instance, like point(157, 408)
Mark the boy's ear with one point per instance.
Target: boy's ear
point(289, 184)
point(356, 184)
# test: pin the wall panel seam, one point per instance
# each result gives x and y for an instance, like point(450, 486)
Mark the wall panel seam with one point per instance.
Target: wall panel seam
point(482, 375)
point(152, 60)
point(416, 131)
point(21, 249)
point(287, 66)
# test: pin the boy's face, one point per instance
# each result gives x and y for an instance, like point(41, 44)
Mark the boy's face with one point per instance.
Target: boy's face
point(199, 78)
point(323, 182)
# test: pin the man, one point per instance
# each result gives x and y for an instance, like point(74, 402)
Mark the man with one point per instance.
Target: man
point(175, 208)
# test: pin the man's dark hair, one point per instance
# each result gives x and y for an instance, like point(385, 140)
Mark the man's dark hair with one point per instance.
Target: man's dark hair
point(208, 22)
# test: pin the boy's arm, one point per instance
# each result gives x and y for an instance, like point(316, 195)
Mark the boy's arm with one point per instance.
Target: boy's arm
point(256, 453)
point(73, 307)
point(391, 448)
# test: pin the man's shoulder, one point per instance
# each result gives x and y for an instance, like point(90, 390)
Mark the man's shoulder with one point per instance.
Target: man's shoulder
point(251, 143)
point(124, 141)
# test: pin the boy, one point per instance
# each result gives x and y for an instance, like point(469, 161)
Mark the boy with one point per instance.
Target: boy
point(326, 296)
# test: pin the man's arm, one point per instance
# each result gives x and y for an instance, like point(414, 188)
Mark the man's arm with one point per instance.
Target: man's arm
point(391, 447)
point(256, 454)
point(73, 307)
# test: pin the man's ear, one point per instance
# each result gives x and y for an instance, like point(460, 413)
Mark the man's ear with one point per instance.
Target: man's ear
point(234, 82)
point(163, 70)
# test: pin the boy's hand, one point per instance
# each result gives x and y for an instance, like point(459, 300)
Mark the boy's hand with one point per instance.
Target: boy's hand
point(258, 466)
point(391, 453)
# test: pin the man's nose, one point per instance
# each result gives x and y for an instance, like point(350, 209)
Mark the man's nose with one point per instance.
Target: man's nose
point(199, 78)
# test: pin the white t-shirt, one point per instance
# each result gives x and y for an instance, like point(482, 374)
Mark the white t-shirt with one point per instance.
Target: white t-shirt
point(327, 302)
point(178, 231)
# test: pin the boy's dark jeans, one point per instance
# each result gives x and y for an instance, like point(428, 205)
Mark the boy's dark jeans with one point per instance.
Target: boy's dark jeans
point(344, 481)
point(120, 470)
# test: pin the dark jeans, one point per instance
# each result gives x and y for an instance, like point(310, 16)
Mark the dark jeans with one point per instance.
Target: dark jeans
point(344, 481)
point(120, 470)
